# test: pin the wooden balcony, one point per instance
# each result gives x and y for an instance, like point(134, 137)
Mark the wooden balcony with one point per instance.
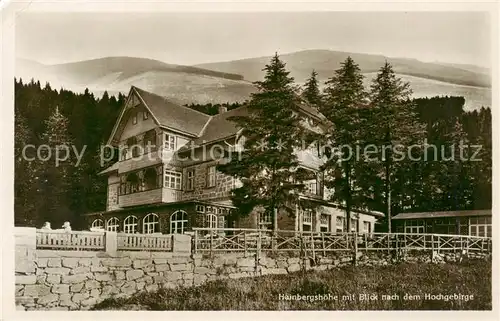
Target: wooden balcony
point(141, 198)
point(145, 160)
point(171, 195)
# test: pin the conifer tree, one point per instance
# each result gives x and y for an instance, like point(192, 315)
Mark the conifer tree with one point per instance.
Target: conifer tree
point(267, 165)
point(344, 98)
point(55, 179)
point(311, 92)
point(391, 121)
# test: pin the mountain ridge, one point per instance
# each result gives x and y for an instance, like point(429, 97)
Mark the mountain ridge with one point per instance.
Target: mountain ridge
point(199, 85)
point(301, 63)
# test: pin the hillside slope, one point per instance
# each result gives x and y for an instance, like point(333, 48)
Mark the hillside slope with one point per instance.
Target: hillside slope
point(188, 84)
point(324, 62)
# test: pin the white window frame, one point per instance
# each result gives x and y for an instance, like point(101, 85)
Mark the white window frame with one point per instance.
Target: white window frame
point(265, 219)
point(173, 179)
point(113, 224)
point(134, 119)
point(312, 187)
point(322, 223)
point(200, 208)
point(211, 176)
point(190, 179)
point(221, 222)
point(354, 225)
point(339, 228)
point(476, 224)
point(415, 226)
point(170, 142)
point(178, 223)
point(366, 227)
point(130, 224)
point(151, 224)
point(211, 221)
point(98, 223)
point(306, 218)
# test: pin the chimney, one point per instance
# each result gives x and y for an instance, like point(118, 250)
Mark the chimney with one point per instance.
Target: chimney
point(222, 109)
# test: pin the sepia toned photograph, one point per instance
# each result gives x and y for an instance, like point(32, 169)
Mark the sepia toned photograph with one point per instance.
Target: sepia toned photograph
point(253, 160)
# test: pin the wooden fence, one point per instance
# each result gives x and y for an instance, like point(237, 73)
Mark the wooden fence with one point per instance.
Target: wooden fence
point(251, 240)
point(98, 241)
point(144, 242)
point(74, 240)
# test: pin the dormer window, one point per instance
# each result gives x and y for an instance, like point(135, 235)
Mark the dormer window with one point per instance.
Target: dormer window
point(170, 142)
point(145, 115)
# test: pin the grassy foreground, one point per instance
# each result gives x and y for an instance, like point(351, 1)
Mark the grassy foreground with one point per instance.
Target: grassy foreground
point(471, 279)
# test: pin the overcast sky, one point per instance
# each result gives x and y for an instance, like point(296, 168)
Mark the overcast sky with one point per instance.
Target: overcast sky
point(190, 38)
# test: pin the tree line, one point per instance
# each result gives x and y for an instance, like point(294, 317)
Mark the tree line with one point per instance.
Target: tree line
point(44, 190)
point(383, 116)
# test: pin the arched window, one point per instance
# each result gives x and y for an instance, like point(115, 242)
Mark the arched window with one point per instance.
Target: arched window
point(150, 179)
point(211, 221)
point(149, 140)
point(132, 183)
point(112, 224)
point(130, 224)
point(150, 224)
point(178, 222)
point(98, 224)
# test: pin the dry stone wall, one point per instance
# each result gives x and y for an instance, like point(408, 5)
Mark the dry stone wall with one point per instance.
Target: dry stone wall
point(76, 280)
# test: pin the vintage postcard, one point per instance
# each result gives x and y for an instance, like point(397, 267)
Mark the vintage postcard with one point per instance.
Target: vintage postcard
point(238, 157)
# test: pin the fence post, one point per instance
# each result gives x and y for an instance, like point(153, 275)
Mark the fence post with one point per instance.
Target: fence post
point(432, 248)
point(323, 243)
point(312, 248)
point(245, 241)
point(355, 257)
point(195, 247)
point(257, 253)
point(181, 243)
point(397, 246)
point(211, 242)
point(110, 242)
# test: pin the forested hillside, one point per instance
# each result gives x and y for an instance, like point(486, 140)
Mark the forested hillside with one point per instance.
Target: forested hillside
point(46, 191)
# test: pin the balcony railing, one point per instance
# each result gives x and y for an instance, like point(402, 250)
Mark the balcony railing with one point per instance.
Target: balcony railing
point(144, 242)
point(73, 240)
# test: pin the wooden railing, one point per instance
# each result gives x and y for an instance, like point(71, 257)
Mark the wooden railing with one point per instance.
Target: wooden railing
point(251, 240)
point(73, 240)
point(144, 242)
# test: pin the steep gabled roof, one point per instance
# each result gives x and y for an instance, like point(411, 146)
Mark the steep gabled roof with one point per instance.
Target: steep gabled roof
point(173, 116)
point(219, 126)
point(110, 169)
point(203, 128)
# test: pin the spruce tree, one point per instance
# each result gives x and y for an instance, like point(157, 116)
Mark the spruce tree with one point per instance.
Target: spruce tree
point(55, 180)
point(267, 165)
point(391, 121)
point(344, 98)
point(311, 92)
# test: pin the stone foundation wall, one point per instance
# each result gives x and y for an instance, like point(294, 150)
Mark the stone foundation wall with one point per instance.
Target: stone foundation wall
point(76, 280)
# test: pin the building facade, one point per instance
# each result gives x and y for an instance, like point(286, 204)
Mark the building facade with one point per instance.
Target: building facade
point(473, 223)
point(166, 180)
